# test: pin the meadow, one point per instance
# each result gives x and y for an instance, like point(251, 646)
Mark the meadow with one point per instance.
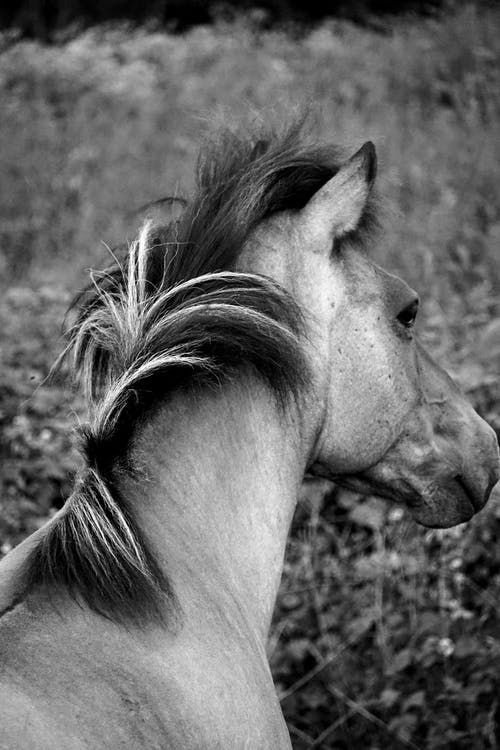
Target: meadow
point(385, 635)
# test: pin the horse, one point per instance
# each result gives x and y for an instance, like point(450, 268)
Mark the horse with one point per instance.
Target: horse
point(225, 355)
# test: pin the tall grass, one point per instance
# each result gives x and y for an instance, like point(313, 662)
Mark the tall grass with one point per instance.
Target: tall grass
point(383, 635)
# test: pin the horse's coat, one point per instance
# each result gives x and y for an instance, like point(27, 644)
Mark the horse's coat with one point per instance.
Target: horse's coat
point(239, 349)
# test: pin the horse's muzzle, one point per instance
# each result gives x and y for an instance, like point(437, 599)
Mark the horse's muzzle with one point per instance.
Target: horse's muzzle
point(453, 499)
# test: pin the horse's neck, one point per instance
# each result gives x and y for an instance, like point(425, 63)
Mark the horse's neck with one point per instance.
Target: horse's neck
point(222, 477)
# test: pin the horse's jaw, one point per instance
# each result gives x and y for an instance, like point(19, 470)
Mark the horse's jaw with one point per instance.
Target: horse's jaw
point(434, 483)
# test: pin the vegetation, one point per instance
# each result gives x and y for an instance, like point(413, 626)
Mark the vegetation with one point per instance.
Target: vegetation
point(45, 19)
point(385, 635)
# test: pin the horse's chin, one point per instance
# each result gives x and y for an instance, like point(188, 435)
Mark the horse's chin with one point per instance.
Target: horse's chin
point(438, 505)
point(443, 506)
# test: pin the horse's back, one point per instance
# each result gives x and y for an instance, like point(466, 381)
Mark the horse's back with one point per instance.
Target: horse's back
point(61, 687)
point(23, 725)
point(70, 678)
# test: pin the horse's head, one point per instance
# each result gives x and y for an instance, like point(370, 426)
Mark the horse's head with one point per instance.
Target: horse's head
point(389, 421)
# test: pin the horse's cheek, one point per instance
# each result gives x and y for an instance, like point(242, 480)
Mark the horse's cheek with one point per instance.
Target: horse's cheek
point(368, 401)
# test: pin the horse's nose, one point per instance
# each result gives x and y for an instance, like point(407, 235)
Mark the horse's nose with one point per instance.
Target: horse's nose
point(494, 473)
point(483, 471)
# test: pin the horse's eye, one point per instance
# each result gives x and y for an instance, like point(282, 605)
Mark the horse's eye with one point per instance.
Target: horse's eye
point(408, 314)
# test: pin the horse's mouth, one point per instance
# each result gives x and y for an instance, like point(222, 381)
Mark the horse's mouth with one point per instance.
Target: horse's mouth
point(446, 501)
point(451, 502)
point(439, 504)
point(445, 504)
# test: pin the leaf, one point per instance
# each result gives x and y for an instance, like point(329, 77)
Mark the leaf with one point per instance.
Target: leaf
point(298, 649)
point(403, 726)
point(389, 697)
point(465, 646)
point(370, 514)
point(489, 342)
point(402, 660)
point(360, 625)
point(415, 700)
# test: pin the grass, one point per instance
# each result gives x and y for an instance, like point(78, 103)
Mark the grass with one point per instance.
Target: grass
point(384, 635)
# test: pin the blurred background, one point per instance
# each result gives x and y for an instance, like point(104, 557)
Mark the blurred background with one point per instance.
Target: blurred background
point(385, 635)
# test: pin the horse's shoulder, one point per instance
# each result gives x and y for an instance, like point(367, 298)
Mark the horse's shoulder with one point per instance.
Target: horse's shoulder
point(24, 724)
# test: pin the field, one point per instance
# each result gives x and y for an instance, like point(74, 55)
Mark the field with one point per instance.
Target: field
point(385, 635)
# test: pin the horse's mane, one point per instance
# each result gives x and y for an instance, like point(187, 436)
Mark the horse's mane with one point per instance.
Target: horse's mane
point(170, 314)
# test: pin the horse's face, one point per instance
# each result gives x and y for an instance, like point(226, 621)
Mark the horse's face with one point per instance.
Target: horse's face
point(390, 421)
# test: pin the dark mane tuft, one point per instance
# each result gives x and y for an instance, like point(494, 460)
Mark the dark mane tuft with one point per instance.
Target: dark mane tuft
point(170, 313)
point(96, 552)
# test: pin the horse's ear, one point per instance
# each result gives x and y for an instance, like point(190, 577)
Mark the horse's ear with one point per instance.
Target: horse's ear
point(336, 208)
